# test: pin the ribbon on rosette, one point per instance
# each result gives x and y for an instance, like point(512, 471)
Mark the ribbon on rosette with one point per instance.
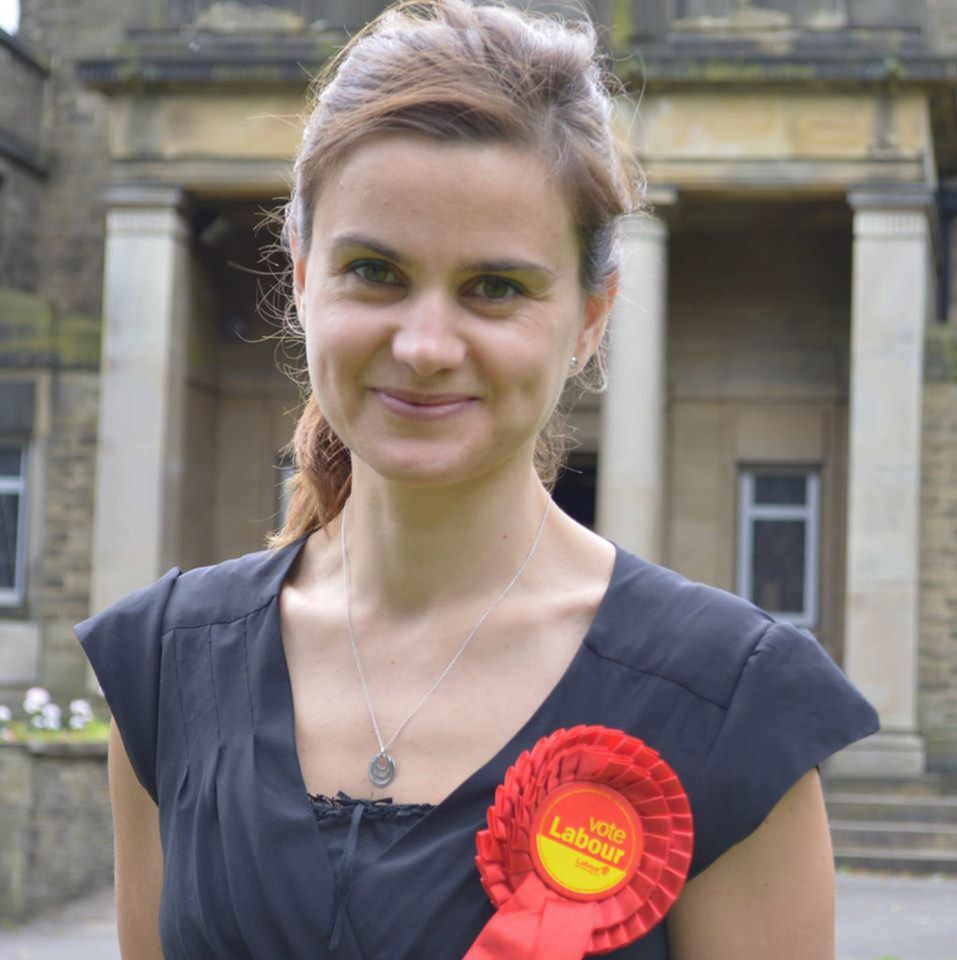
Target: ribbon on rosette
point(588, 845)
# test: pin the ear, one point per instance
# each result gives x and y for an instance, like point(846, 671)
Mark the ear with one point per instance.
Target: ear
point(298, 267)
point(597, 311)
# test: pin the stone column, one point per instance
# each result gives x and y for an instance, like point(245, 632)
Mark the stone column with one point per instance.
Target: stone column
point(631, 462)
point(892, 302)
point(140, 455)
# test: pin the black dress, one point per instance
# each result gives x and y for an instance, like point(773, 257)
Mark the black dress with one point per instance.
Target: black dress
point(194, 671)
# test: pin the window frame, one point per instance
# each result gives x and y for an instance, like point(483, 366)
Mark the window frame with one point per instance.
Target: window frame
point(14, 597)
point(809, 512)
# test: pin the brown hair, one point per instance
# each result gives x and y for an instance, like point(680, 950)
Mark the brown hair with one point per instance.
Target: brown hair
point(454, 71)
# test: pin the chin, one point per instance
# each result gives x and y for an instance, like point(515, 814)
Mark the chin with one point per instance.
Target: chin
point(424, 467)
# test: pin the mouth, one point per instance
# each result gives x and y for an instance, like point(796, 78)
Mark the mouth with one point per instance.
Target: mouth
point(436, 408)
point(425, 400)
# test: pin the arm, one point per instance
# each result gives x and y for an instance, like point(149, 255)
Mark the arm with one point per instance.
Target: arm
point(772, 895)
point(138, 865)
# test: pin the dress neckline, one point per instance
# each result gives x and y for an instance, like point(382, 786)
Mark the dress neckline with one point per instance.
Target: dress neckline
point(341, 806)
point(470, 799)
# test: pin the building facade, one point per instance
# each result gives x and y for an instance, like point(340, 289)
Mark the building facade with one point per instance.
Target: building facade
point(781, 416)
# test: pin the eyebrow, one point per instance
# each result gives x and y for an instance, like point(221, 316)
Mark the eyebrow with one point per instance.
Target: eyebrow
point(476, 266)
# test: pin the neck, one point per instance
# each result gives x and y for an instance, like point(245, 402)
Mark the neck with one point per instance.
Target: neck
point(415, 551)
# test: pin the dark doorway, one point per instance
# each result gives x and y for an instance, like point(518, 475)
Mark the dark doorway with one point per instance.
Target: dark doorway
point(575, 489)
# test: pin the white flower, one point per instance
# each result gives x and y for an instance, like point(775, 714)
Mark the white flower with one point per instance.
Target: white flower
point(77, 722)
point(51, 714)
point(81, 708)
point(5, 713)
point(37, 721)
point(36, 698)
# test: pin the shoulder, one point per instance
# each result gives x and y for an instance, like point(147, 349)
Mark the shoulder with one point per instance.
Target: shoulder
point(698, 636)
point(228, 590)
point(216, 593)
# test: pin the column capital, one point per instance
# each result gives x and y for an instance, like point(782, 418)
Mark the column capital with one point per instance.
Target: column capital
point(156, 196)
point(892, 196)
point(661, 195)
point(895, 212)
point(644, 226)
point(147, 208)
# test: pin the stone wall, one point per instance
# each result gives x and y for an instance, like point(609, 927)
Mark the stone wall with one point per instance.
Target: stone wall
point(20, 260)
point(938, 627)
point(72, 213)
point(942, 15)
point(67, 547)
point(59, 354)
point(52, 333)
point(21, 166)
point(56, 826)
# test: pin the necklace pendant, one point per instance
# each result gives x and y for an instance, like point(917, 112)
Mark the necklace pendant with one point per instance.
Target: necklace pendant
point(381, 770)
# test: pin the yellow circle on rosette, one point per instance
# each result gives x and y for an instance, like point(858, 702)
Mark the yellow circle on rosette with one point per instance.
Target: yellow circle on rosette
point(587, 840)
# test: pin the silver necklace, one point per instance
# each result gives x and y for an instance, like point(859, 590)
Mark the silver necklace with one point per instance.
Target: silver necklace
point(382, 766)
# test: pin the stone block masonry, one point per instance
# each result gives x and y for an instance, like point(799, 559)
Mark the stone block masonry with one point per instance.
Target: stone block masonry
point(72, 211)
point(938, 621)
point(56, 826)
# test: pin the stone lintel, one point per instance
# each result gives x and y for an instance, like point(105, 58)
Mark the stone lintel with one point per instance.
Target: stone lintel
point(220, 177)
point(793, 177)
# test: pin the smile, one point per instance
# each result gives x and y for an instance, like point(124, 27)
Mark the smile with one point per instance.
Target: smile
point(421, 411)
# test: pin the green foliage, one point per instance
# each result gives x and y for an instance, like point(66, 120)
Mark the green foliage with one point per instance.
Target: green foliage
point(20, 731)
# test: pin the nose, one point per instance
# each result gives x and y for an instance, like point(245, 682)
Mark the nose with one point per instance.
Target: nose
point(428, 338)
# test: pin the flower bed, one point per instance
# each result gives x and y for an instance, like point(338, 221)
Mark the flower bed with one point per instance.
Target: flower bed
point(45, 721)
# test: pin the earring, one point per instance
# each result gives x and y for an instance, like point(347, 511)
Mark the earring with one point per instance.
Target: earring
point(574, 361)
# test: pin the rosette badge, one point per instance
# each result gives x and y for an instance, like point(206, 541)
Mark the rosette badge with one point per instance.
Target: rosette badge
point(587, 847)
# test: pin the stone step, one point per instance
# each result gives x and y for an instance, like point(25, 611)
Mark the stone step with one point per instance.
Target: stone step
point(883, 807)
point(882, 823)
point(929, 784)
point(897, 861)
point(883, 836)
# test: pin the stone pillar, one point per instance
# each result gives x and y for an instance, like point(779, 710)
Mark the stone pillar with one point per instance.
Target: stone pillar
point(892, 302)
point(631, 462)
point(140, 453)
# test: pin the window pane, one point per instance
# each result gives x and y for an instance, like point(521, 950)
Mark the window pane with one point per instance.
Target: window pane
point(10, 461)
point(778, 488)
point(777, 572)
point(9, 505)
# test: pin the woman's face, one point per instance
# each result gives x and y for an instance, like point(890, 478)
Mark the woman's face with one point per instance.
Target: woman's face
point(442, 269)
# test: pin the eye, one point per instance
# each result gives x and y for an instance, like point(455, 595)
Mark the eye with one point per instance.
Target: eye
point(375, 272)
point(498, 289)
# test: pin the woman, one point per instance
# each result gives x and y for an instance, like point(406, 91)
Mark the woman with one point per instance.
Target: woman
point(304, 752)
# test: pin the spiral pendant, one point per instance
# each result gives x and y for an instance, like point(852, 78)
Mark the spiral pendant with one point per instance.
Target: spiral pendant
point(381, 770)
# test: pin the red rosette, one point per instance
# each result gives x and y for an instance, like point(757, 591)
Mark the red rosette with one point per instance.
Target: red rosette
point(588, 845)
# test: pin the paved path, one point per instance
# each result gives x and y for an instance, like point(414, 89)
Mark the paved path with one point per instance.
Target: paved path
point(888, 917)
point(880, 917)
point(83, 930)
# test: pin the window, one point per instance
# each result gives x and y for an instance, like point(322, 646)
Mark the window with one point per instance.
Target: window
point(13, 459)
point(778, 523)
